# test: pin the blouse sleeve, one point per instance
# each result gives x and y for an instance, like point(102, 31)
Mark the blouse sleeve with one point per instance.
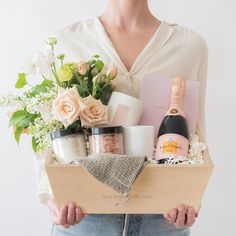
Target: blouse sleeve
point(202, 78)
point(44, 191)
point(43, 188)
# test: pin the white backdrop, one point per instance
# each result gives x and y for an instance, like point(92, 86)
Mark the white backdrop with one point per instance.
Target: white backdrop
point(24, 26)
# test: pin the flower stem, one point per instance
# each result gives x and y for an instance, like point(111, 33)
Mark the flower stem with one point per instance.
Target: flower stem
point(44, 77)
point(61, 61)
point(54, 71)
point(53, 66)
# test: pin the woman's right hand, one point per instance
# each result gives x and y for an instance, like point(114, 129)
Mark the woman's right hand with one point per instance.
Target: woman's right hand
point(66, 216)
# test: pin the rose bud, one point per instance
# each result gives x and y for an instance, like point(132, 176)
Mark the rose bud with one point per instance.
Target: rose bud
point(83, 68)
point(52, 41)
point(111, 72)
point(98, 78)
point(94, 71)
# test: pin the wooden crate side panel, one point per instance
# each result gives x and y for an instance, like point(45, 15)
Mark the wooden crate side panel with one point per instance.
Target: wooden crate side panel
point(156, 190)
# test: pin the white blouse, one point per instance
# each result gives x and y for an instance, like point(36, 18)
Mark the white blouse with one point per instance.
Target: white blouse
point(172, 51)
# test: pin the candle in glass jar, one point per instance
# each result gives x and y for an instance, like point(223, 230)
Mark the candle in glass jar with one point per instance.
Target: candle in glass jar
point(69, 145)
point(139, 140)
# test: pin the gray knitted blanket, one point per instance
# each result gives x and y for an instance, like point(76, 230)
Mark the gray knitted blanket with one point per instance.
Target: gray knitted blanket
point(117, 171)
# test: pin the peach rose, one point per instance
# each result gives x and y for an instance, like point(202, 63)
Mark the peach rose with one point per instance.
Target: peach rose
point(95, 113)
point(67, 106)
point(83, 67)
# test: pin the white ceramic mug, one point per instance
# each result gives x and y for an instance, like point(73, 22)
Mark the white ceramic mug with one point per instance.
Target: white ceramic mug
point(124, 110)
point(139, 140)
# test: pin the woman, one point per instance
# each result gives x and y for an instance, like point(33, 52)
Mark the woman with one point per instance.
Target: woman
point(129, 36)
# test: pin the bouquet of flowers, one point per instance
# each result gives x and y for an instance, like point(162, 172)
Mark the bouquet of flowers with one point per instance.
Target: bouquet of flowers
point(69, 95)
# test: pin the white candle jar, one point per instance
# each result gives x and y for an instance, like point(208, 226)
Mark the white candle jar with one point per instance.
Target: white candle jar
point(69, 145)
point(106, 140)
point(124, 110)
point(139, 140)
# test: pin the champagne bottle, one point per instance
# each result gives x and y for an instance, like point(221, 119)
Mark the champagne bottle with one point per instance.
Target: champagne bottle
point(172, 138)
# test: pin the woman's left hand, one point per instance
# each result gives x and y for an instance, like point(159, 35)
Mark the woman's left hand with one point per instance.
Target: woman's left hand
point(182, 216)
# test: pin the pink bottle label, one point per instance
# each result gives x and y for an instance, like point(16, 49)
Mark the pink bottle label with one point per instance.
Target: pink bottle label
point(171, 145)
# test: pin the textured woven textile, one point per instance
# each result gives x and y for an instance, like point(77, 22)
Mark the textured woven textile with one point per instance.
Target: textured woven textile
point(117, 171)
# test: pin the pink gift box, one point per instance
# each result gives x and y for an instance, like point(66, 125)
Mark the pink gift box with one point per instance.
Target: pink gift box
point(155, 93)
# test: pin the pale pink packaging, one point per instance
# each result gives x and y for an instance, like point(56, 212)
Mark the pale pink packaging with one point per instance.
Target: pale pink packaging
point(155, 93)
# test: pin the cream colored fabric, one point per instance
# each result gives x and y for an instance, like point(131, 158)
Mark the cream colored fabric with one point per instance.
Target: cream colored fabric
point(173, 50)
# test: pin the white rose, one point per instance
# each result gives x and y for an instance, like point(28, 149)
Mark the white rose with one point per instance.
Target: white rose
point(29, 67)
point(40, 63)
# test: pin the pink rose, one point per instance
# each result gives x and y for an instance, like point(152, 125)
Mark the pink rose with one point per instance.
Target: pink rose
point(67, 106)
point(83, 67)
point(95, 113)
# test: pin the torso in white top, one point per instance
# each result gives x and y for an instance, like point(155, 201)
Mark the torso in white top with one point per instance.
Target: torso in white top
point(172, 51)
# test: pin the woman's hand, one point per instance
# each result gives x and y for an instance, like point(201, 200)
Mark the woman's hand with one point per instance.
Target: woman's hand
point(182, 216)
point(66, 216)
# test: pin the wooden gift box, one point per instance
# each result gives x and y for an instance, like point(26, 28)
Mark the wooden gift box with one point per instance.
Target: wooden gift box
point(157, 189)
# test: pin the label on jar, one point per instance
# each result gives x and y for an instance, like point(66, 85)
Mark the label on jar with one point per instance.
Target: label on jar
point(171, 145)
point(121, 115)
point(106, 143)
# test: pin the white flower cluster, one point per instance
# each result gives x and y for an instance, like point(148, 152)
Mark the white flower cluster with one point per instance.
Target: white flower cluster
point(11, 100)
point(41, 103)
point(40, 63)
point(41, 130)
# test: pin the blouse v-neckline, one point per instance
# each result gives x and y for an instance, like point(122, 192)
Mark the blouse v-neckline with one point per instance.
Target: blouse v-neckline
point(157, 40)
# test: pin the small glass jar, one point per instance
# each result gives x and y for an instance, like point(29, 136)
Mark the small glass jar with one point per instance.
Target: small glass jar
point(69, 145)
point(106, 140)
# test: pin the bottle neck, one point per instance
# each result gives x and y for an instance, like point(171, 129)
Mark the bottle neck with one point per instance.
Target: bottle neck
point(177, 99)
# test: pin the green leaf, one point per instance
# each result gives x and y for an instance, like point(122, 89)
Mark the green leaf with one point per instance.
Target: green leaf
point(21, 82)
point(41, 88)
point(47, 83)
point(34, 144)
point(83, 92)
point(20, 118)
point(99, 65)
point(90, 80)
point(80, 82)
point(75, 125)
point(32, 117)
point(18, 132)
point(104, 94)
point(92, 62)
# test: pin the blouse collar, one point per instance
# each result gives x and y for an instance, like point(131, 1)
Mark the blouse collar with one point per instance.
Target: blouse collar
point(156, 42)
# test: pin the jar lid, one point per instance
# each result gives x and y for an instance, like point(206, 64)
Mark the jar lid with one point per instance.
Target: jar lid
point(105, 130)
point(61, 133)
